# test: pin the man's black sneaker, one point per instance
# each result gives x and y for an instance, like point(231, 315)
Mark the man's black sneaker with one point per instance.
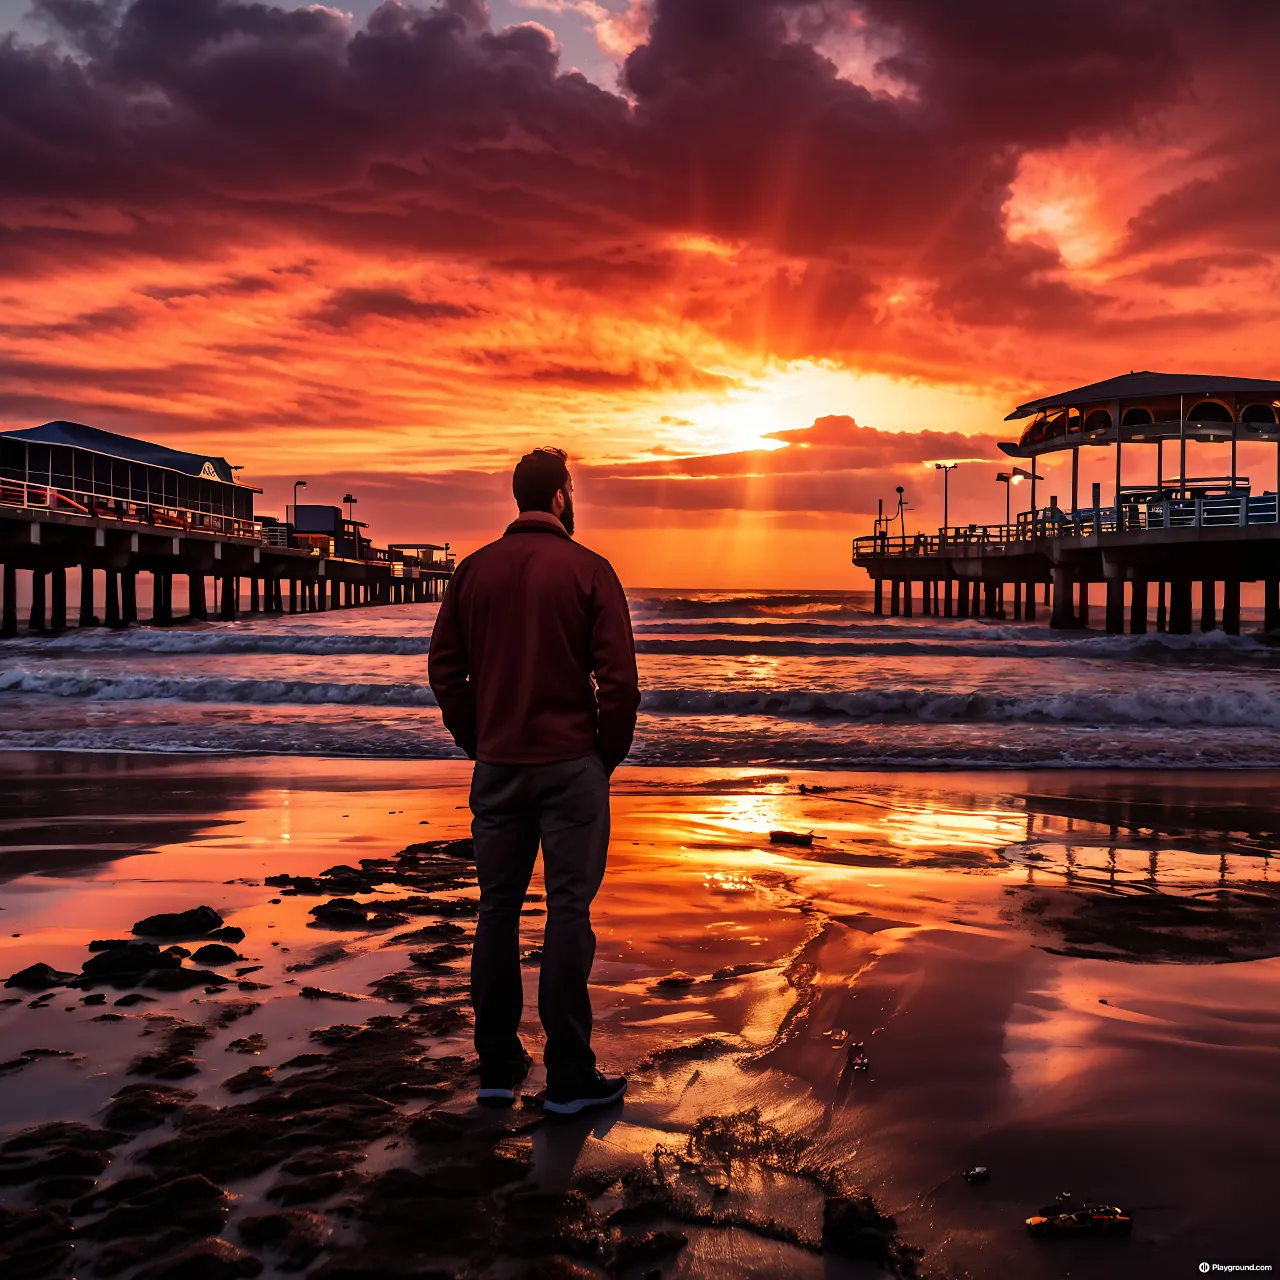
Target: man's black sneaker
point(498, 1085)
point(596, 1090)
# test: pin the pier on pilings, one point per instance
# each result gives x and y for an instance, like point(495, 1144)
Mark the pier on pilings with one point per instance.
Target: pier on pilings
point(38, 549)
point(108, 507)
point(1196, 538)
point(1196, 574)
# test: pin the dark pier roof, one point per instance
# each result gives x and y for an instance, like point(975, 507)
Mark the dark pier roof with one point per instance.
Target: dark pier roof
point(1143, 384)
point(76, 435)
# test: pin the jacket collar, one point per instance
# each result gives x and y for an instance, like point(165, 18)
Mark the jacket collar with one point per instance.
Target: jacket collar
point(536, 522)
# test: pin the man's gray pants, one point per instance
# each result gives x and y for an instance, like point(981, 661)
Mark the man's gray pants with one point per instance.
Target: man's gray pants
point(565, 807)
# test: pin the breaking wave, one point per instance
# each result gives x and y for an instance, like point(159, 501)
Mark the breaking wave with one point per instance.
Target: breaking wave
point(209, 689)
point(229, 640)
point(1219, 708)
point(795, 639)
point(713, 604)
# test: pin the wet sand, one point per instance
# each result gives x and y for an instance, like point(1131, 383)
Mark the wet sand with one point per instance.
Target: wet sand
point(1068, 978)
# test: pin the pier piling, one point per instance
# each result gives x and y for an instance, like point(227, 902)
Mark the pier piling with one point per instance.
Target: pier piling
point(87, 616)
point(36, 622)
point(161, 599)
point(9, 603)
point(1115, 605)
point(1231, 606)
point(1138, 607)
point(113, 599)
point(1062, 617)
point(199, 607)
point(58, 599)
point(1208, 604)
point(128, 597)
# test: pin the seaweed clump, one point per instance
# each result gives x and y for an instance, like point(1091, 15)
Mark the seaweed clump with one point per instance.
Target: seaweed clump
point(722, 1177)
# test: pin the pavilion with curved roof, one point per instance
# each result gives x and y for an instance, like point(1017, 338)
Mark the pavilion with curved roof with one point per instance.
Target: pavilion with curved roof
point(1152, 408)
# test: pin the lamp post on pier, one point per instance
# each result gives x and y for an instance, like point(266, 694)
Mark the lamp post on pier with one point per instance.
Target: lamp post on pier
point(297, 484)
point(1020, 474)
point(946, 468)
point(1006, 478)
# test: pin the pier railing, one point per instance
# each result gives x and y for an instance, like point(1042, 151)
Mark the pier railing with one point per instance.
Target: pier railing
point(43, 497)
point(1215, 512)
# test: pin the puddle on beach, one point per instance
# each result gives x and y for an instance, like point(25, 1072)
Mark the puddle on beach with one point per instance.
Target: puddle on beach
point(1068, 978)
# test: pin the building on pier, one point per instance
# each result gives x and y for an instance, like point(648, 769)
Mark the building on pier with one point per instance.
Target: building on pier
point(330, 527)
point(74, 497)
point(70, 468)
point(1160, 409)
point(1173, 531)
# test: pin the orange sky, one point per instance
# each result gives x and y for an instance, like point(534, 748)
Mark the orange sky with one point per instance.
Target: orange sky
point(389, 252)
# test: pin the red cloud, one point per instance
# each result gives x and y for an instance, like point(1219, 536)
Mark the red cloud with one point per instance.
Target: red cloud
point(222, 215)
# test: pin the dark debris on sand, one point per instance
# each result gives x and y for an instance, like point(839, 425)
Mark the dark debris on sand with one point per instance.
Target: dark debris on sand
point(123, 963)
point(697, 1186)
point(458, 1200)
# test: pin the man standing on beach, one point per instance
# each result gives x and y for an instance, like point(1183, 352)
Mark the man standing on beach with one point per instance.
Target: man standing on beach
point(533, 664)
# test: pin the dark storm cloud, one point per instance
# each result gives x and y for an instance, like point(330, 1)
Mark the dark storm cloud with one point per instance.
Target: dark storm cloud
point(1189, 272)
point(233, 286)
point(346, 307)
point(204, 120)
point(86, 324)
point(1234, 99)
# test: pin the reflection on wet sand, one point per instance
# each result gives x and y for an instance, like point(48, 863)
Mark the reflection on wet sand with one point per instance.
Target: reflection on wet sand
point(1069, 979)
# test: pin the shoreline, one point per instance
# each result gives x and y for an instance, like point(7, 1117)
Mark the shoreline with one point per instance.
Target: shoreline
point(981, 933)
point(949, 767)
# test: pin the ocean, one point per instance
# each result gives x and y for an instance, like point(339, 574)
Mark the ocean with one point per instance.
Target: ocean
point(801, 679)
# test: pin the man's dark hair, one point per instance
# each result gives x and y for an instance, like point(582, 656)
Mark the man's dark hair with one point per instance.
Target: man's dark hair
point(537, 477)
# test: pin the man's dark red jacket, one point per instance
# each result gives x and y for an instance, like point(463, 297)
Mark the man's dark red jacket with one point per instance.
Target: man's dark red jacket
point(526, 622)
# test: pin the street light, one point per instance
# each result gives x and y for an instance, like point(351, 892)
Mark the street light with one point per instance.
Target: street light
point(297, 484)
point(946, 468)
point(1004, 478)
point(1020, 474)
point(350, 501)
point(902, 512)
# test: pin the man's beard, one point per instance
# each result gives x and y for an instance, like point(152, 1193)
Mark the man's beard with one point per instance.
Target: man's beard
point(566, 516)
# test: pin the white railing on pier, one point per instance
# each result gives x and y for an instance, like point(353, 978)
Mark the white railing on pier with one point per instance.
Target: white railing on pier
point(1216, 512)
point(43, 497)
